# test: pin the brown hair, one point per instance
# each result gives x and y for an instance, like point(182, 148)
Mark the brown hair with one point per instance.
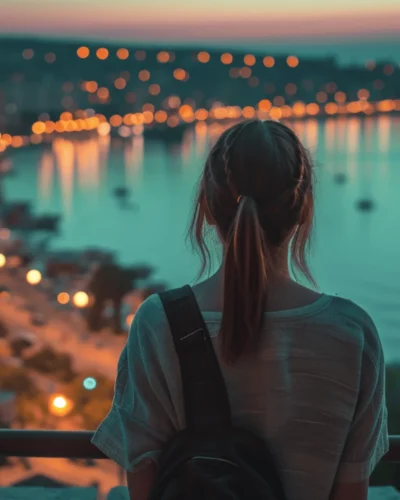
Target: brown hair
point(264, 164)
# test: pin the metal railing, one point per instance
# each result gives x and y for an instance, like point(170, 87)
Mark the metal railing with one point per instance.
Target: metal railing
point(52, 444)
point(77, 444)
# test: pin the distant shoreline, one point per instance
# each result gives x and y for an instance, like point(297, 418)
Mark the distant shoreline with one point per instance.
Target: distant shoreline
point(384, 48)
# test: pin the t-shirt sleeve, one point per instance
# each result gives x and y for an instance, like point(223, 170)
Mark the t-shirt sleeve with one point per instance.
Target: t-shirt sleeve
point(368, 439)
point(140, 421)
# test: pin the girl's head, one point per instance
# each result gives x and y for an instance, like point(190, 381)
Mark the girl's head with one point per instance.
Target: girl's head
point(257, 189)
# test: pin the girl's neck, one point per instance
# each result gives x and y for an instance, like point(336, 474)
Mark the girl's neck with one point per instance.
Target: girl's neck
point(283, 292)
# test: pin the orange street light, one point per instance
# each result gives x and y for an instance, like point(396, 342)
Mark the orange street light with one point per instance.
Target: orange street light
point(59, 405)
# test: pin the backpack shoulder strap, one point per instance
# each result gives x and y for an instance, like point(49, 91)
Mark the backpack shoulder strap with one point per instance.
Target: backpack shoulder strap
point(204, 392)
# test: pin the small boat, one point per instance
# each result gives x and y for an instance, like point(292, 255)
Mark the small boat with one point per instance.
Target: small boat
point(340, 178)
point(122, 192)
point(365, 205)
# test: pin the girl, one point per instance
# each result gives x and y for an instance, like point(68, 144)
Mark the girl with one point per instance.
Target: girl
point(304, 370)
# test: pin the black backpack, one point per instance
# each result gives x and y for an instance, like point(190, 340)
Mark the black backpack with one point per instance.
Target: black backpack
point(211, 459)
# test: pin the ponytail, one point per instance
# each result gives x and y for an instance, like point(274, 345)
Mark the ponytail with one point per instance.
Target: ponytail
point(246, 268)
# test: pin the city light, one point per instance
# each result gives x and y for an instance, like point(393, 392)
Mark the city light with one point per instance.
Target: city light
point(3, 260)
point(116, 121)
point(163, 57)
point(203, 57)
point(161, 116)
point(120, 83)
point(104, 129)
point(249, 60)
point(180, 74)
point(144, 75)
point(226, 58)
point(174, 101)
point(28, 54)
point(245, 72)
point(201, 114)
point(75, 120)
point(102, 53)
point(268, 61)
point(33, 277)
point(63, 298)
point(59, 402)
point(59, 405)
point(80, 299)
point(340, 97)
point(363, 94)
point(122, 54)
point(39, 128)
point(292, 61)
point(154, 89)
point(83, 52)
point(103, 93)
point(91, 87)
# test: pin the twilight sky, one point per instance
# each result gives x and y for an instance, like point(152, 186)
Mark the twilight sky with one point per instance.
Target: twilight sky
point(200, 20)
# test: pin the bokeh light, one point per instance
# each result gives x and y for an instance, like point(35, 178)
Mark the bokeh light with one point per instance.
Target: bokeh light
point(292, 61)
point(81, 299)
point(120, 83)
point(144, 75)
point(163, 57)
point(269, 61)
point(83, 52)
point(103, 93)
point(154, 89)
point(203, 57)
point(63, 298)
point(59, 405)
point(226, 58)
point(33, 277)
point(180, 74)
point(28, 54)
point(102, 53)
point(249, 60)
point(89, 383)
point(123, 54)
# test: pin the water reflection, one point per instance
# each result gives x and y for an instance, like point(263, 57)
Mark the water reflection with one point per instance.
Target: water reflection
point(340, 126)
point(133, 156)
point(384, 128)
point(329, 143)
point(348, 144)
point(46, 175)
point(352, 146)
point(88, 163)
point(187, 147)
point(65, 157)
point(312, 129)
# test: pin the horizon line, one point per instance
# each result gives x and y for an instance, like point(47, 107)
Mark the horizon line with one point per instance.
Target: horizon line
point(274, 28)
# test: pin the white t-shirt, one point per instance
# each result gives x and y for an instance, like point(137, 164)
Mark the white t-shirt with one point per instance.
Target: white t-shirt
point(315, 391)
